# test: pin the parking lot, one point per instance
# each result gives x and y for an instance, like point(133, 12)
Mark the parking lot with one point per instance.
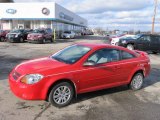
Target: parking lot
point(116, 103)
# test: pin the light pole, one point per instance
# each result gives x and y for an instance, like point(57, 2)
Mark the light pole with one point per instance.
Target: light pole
point(154, 15)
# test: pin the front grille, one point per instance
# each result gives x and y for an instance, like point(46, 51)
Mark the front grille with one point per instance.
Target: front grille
point(16, 75)
point(11, 35)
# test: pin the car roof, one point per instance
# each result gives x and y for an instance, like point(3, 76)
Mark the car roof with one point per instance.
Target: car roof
point(101, 46)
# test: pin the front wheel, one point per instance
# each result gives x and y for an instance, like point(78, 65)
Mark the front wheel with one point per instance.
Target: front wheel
point(2, 39)
point(61, 94)
point(21, 40)
point(130, 47)
point(43, 41)
point(154, 52)
point(137, 81)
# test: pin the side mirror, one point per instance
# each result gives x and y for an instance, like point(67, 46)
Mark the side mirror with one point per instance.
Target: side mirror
point(89, 63)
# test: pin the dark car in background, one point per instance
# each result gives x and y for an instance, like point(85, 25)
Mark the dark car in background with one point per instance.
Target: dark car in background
point(3, 35)
point(40, 36)
point(19, 35)
point(145, 42)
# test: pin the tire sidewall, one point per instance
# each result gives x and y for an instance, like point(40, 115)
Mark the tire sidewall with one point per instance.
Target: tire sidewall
point(131, 84)
point(2, 39)
point(21, 40)
point(52, 92)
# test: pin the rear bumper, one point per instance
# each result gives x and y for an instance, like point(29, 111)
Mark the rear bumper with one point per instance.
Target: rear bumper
point(122, 45)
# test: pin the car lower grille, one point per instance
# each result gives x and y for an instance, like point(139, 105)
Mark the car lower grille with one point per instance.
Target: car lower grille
point(11, 35)
point(16, 75)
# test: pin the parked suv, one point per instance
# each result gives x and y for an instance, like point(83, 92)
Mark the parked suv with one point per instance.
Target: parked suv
point(19, 35)
point(3, 35)
point(40, 36)
point(145, 42)
point(68, 34)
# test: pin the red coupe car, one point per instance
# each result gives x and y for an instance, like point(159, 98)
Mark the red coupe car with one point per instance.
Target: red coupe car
point(79, 68)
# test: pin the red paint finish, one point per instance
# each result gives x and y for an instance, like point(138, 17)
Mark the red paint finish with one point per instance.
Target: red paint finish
point(84, 78)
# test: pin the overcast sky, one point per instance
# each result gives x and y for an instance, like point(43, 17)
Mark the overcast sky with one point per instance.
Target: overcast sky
point(112, 14)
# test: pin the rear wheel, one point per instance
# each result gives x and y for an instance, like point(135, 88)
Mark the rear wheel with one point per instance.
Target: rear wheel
point(130, 47)
point(137, 81)
point(61, 94)
point(2, 39)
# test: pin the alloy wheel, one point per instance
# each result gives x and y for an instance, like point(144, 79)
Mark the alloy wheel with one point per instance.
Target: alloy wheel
point(61, 95)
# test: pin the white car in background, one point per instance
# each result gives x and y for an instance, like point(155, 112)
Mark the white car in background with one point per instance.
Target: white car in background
point(115, 40)
point(68, 34)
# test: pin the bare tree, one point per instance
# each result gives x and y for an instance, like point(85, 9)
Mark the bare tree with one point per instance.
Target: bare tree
point(5, 1)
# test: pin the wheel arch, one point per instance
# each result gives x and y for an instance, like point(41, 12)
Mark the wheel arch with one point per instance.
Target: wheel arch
point(59, 81)
point(137, 71)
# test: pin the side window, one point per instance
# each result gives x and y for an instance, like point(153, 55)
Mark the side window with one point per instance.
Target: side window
point(126, 55)
point(145, 38)
point(155, 39)
point(104, 56)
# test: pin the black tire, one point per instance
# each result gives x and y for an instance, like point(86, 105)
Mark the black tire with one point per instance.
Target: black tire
point(51, 40)
point(21, 39)
point(53, 91)
point(2, 39)
point(154, 52)
point(43, 41)
point(132, 84)
point(130, 47)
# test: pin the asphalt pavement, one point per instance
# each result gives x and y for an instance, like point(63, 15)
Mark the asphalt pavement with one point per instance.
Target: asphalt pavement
point(118, 103)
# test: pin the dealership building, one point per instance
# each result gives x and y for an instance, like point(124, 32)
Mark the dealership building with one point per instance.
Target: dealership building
point(39, 15)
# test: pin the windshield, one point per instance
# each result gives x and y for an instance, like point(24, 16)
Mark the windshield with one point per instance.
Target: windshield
point(38, 31)
point(71, 54)
point(68, 32)
point(17, 31)
point(128, 37)
point(137, 36)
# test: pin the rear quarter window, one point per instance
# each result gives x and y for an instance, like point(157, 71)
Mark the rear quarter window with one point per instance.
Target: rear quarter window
point(126, 55)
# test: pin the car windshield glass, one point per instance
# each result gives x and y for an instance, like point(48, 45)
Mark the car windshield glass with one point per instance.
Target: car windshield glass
point(129, 37)
point(137, 36)
point(17, 31)
point(38, 31)
point(71, 54)
point(68, 32)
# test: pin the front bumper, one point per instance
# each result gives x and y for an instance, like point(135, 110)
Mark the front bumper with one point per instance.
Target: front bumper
point(14, 39)
point(122, 44)
point(64, 36)
point(39, 40)
point(27, 92)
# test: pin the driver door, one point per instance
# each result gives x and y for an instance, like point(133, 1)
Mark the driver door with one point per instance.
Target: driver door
point(103, 73)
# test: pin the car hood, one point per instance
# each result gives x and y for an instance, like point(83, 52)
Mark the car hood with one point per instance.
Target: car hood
point(41, 65)
point(35, 34)
point(66, 34)
point(12, 33)
point(127, 39)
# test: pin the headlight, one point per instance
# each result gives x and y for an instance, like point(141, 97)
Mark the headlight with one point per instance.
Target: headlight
point(31, 78)
point(124, 41)
point(17, 35)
